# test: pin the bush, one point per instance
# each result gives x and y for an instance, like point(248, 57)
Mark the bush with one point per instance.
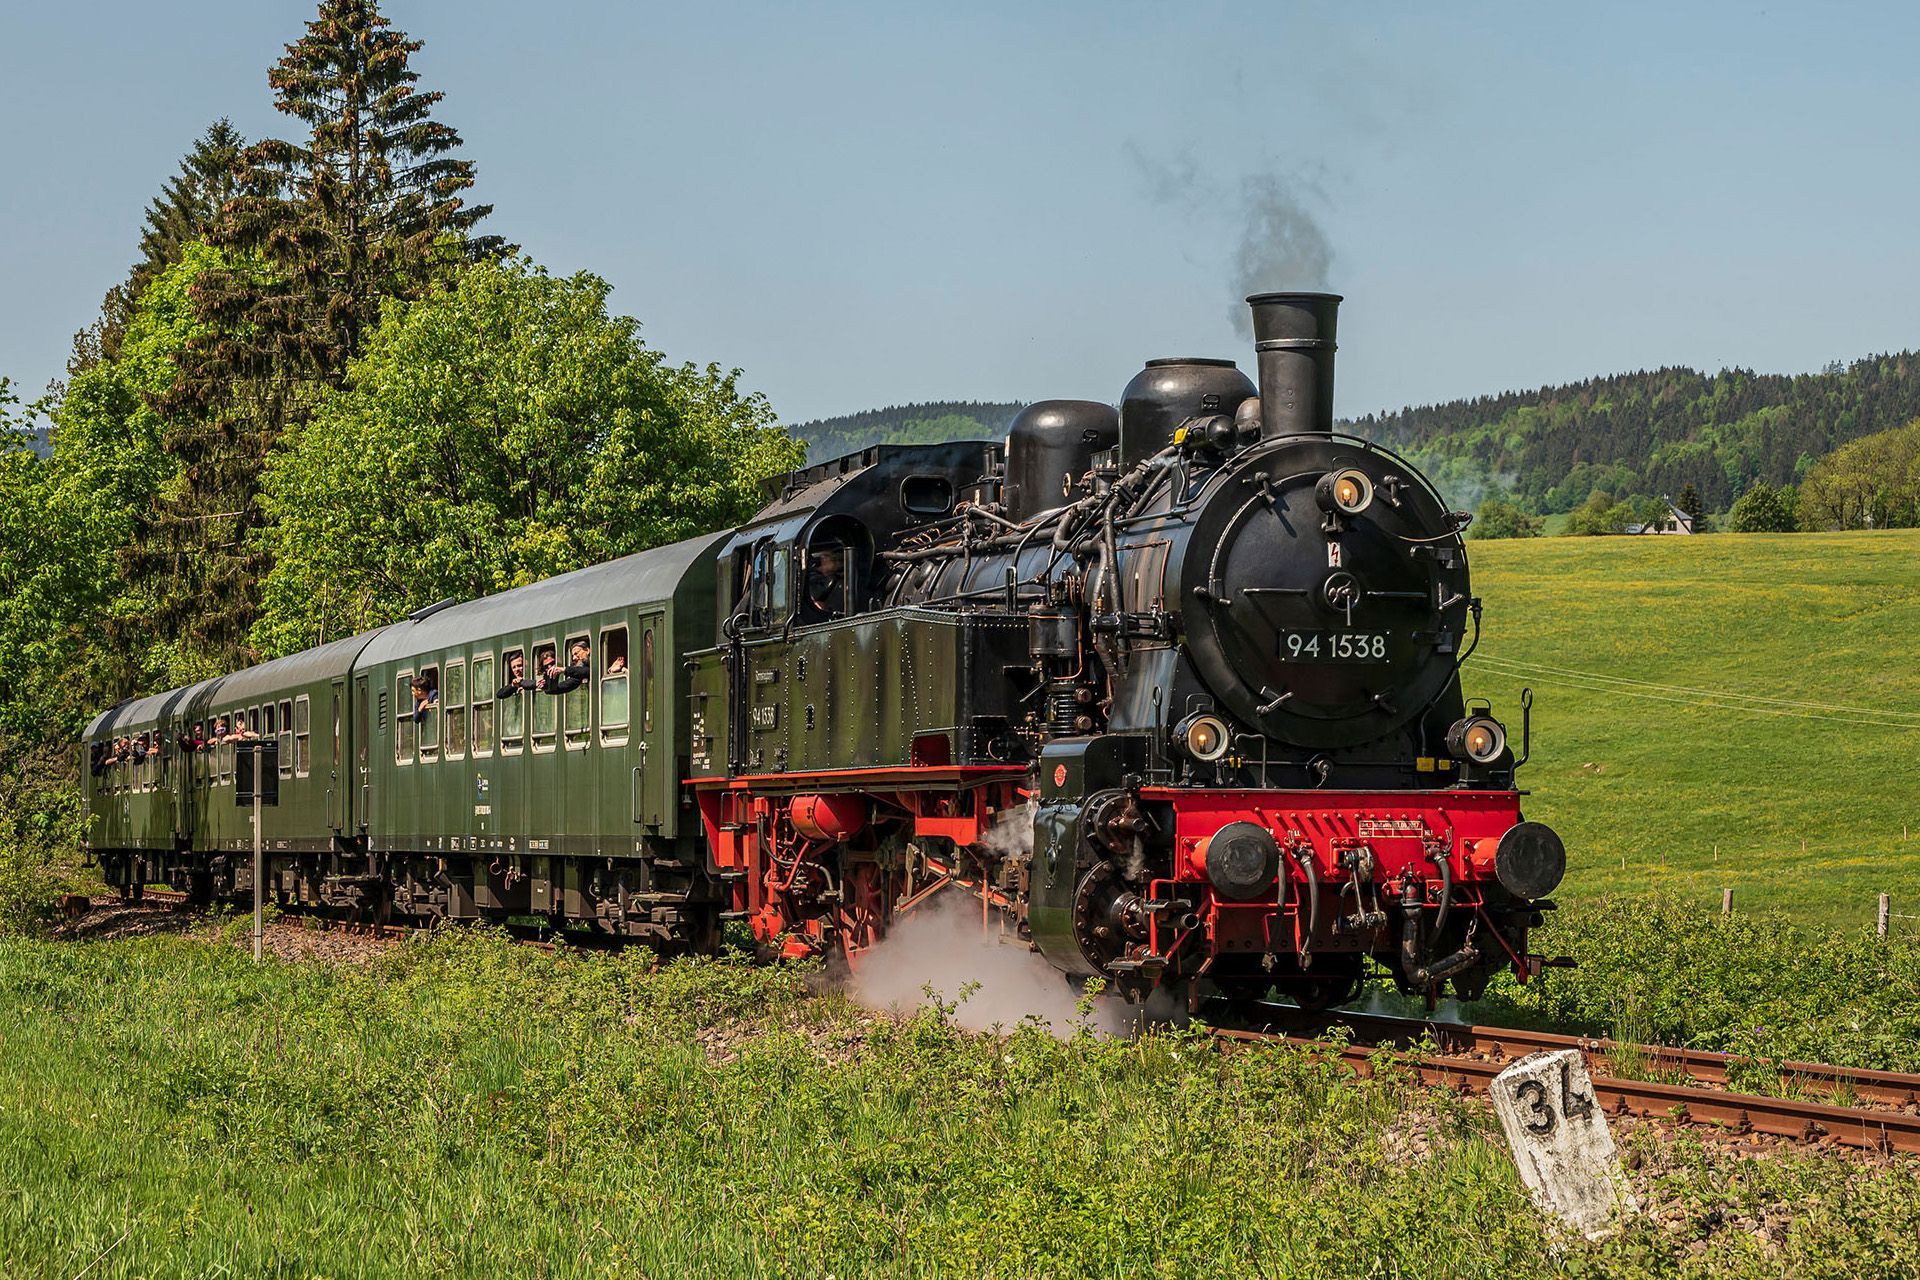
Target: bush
point(1765, 509)
point(1499, 518)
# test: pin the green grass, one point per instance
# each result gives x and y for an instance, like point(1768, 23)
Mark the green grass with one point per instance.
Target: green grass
point(1683, 789)
point(471, 1108)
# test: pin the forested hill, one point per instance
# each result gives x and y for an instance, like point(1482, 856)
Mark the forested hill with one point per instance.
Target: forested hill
point(928, 423)
point(1650, 432)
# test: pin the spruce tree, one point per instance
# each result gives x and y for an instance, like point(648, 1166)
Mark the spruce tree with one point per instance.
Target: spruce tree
point(367, 207)
point(1689, 502)
point(186, 209)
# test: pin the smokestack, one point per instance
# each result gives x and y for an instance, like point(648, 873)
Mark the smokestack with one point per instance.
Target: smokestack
point(1293, 334)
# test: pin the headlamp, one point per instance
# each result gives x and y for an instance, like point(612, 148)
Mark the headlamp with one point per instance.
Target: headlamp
point(1204, 737)
point(1348, 491)
point(1477, 738)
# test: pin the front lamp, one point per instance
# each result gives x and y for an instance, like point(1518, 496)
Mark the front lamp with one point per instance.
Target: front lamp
point(1348, 491)
point(1479, 739)
point(1204, 737)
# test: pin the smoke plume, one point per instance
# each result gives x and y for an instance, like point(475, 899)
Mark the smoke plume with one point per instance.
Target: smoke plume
point(1278, 242)
point(1282, 245)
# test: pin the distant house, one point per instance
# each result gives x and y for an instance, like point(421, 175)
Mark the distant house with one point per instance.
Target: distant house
point(1675, 521)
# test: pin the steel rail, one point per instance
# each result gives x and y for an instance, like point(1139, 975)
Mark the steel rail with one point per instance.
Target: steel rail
point(1697, 1066)
point(1868, 1128)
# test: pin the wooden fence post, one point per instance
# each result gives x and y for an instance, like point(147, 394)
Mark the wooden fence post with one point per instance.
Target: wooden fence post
point(1880, 923)
point(1726, 902)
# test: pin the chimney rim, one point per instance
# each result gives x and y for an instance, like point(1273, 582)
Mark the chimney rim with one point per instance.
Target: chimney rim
point(1278, 295)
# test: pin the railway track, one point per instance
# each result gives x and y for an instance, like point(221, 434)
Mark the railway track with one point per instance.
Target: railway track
point(1871, 1110)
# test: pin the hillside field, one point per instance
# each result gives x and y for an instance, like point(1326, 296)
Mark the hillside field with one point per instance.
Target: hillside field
point(1730, 711)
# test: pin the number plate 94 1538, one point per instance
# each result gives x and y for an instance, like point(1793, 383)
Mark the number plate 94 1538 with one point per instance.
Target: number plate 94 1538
point(1334, 646)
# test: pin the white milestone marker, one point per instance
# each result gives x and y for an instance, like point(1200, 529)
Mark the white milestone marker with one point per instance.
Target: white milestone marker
point(1561, 1141)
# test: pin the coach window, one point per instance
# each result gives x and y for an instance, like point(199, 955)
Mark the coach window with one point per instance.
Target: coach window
point(453, 704)
point(428, 715)
point(483, 692)
point(579, 703)
point(613, 685)
point(302, 736)
point(286, 738)
point(513, 706)
point(546, 709)
point(403, 718)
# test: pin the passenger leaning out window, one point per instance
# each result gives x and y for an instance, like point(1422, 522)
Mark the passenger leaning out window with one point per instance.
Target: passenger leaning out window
point(425, 697)
point(559, 679)
point(517, 678)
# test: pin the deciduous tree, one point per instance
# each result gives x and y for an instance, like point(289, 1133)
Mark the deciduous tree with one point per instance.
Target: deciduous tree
point(1499, 518)
point(495, 434)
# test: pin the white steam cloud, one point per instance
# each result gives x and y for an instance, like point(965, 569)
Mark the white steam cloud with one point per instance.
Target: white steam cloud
point(948, 948)
point(998, 981)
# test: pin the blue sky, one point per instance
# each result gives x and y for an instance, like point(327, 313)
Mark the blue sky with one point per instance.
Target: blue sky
point(863, 204)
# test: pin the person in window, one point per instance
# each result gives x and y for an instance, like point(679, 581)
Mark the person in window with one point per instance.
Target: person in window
point(825, 594)
point(425, 697)
point(240, 731)
point(517, 677)
point(220, 731)
point(617, 665)
point(555, 678)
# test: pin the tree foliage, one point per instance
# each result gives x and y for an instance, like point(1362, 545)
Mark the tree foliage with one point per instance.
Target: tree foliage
point(1653, 432)
point(930, 423)
point(1765, 509)
point(1871, 483)
point(1600, 514)
point(323, 231)
point(1499, 518)
point(492, 435)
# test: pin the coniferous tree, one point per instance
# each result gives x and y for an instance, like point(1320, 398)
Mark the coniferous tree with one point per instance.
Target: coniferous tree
point(367, 207)
point(1689, 502)
point(185, 210)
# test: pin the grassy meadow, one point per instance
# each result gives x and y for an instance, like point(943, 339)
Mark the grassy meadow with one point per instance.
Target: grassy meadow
point(1654, 752)
point(470, 1107)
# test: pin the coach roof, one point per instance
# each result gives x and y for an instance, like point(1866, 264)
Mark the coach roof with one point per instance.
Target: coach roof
point(646, 578)
point(332, 660)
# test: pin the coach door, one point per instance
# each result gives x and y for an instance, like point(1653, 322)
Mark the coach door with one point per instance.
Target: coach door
point(362, 739)
point(654, 759)
point(336, 765)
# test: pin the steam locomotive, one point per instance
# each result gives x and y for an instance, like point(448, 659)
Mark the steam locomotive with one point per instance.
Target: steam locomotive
point(1172, 690)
